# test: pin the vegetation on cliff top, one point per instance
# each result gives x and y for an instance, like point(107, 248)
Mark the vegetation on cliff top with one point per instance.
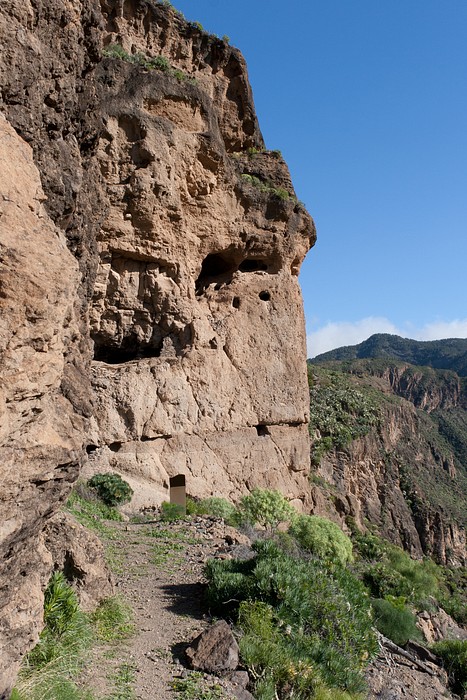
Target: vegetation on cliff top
point(441, 354)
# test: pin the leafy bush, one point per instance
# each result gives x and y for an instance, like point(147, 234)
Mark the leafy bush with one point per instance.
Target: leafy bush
point(160, 63)
point(111, 488)
point(266, 507)
point(218, 507)
point(322, 538)
point(65, 626)
point(389, 571)
point(170, 512)
point(454, 655)
point(453, 594)
point(266, 186)
point(306, 624)
point(368, 546)
point(51, 666)
point(395, 621)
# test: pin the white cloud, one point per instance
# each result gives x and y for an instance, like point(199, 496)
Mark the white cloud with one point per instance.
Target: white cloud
point(336, 334)
point(444, 329)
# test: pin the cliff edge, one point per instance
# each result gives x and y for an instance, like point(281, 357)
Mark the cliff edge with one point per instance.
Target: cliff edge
point(151, 316)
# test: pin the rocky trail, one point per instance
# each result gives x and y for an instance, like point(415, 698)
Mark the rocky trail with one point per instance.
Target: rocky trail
point(158, 571)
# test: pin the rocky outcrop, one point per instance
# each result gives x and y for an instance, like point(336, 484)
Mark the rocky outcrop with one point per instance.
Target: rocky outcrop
point(401, 476)
point(79, 553)
point(40, 432)
point(147, 251)
point(196, 286)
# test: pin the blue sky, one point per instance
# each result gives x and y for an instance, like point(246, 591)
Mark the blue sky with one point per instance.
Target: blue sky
point(367, 101)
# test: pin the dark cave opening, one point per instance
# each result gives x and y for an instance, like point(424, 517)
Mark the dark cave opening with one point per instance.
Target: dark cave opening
point(253, 265)
point(215, 268)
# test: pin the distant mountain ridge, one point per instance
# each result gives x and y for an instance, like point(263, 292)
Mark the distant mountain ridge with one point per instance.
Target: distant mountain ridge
point(388, 427)
point(440, 354)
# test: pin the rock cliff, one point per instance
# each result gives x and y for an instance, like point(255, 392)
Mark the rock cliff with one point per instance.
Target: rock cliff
point(150, 247)
point(390, 452)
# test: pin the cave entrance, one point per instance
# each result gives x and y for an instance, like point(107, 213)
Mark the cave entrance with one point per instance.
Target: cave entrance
point(178, 490)
point(217, 268)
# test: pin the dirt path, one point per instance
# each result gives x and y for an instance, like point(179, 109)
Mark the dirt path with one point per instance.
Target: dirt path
point(160, 574)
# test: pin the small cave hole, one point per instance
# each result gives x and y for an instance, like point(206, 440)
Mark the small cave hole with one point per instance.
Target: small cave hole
point(215, 268)
point(91, 449)
point(264, 296)
point(251, 265)
point(213, 343)
point(236, 302)
point(262, 430)
point(115, 446)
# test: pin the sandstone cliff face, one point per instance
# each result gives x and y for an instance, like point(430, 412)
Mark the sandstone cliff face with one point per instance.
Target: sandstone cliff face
point(151, 267)
point(197, 286)
point(40, 434)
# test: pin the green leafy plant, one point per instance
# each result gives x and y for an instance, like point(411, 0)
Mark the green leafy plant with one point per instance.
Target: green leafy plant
point(322, 538)
point(52, 665)
point(159, 63)
point(111, 488)
point(453, 652)
point(216, 506)
point(262, 186)
point(266, 507)
point(305, 624)
point(395, 621)
point(170, 512)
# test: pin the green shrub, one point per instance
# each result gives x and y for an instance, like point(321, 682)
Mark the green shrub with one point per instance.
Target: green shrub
point(420, 577)
point(170, 512)
point(306, 624)
point(111, 488)
point(453, 652)
point(116, 51)
point(322, 538)
point(453, 592)
point(395, 622)
point(51, 666)
point(216, 506)
point(158, 63)
point(266, 507)
point(65, 626)
point(368, 546)
point(263, 186)
point(389, 571)
point(382, 580)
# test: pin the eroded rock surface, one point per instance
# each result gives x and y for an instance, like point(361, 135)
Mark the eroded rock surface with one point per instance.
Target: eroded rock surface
point(40, 433)
point(143, 249)
point(196, 288)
